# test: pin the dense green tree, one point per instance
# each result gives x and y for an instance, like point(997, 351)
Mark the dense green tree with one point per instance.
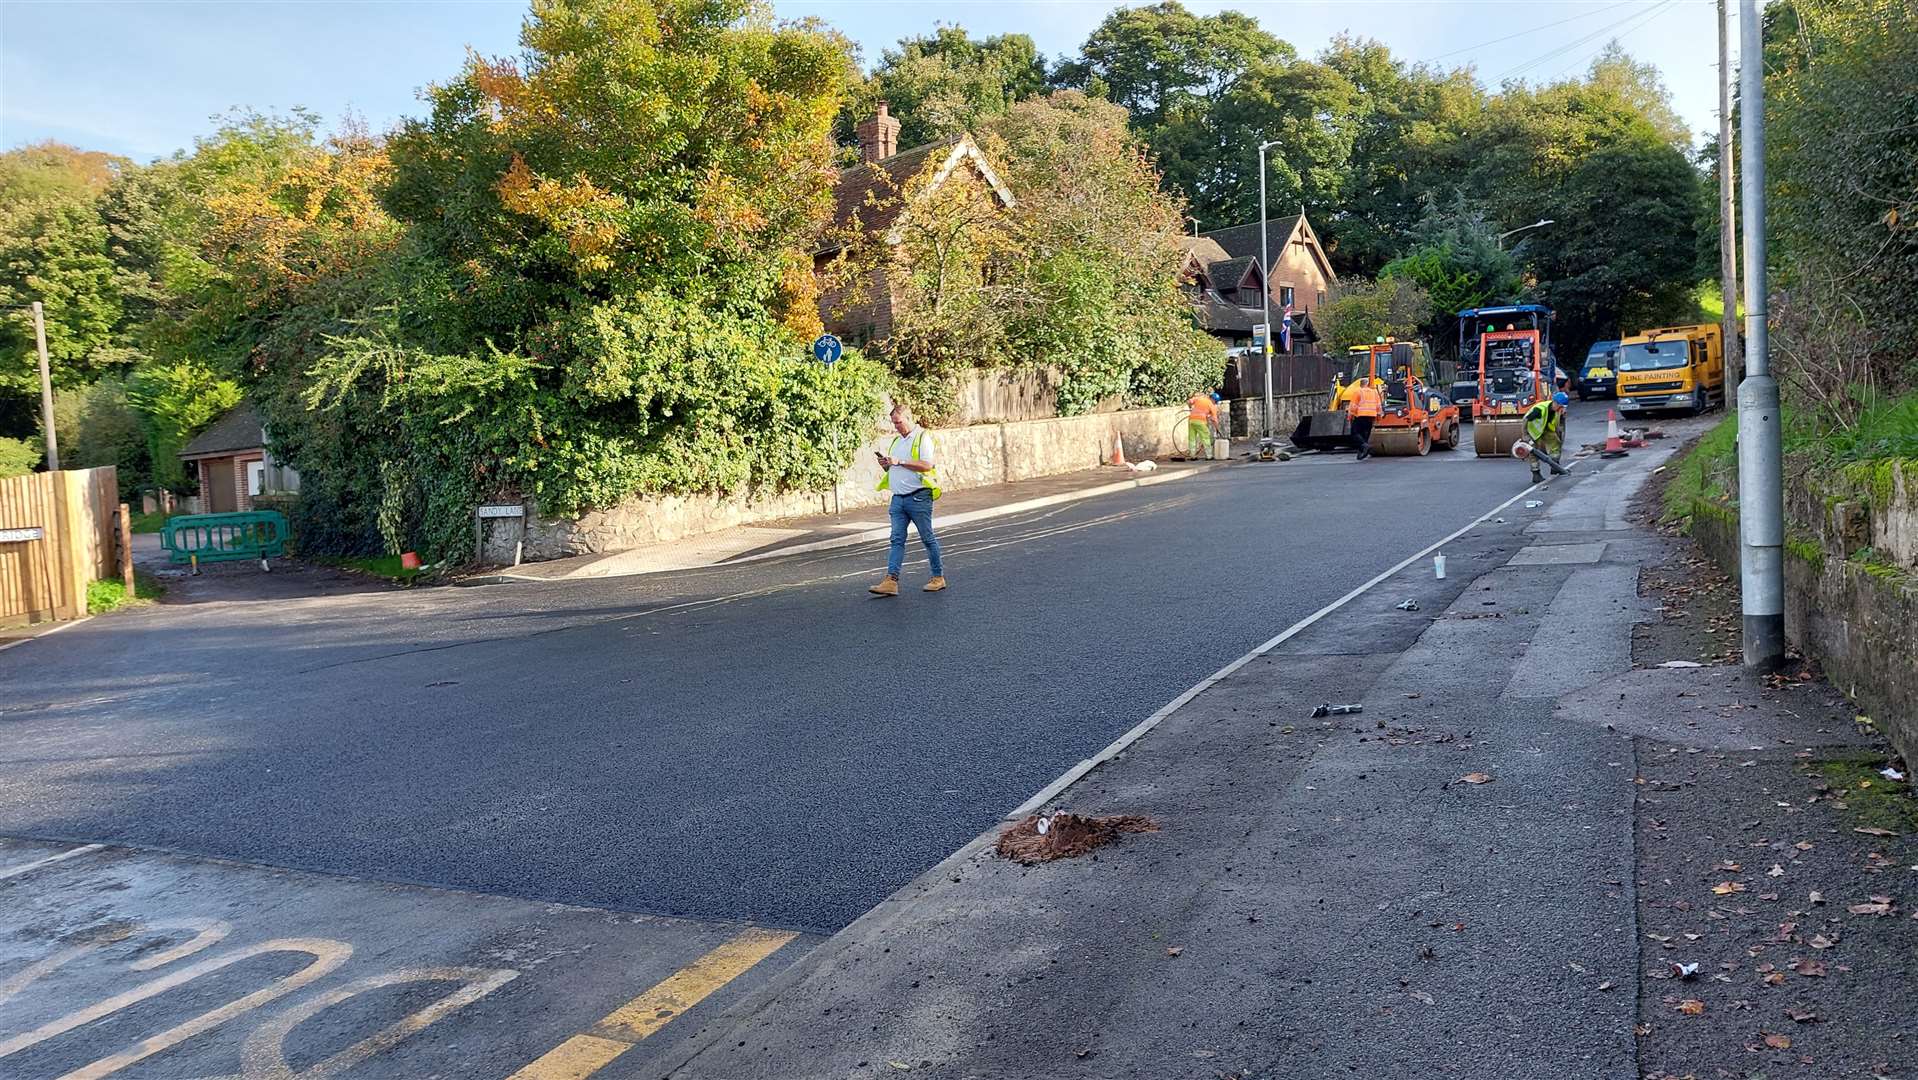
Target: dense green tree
point(949, 82)
point(1457, 262)
point(1170, 69)
point(1841, 89)
point(1622, 254)
point(589, 300)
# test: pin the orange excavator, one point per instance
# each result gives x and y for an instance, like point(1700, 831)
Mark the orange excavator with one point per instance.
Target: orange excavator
point(1417, 418)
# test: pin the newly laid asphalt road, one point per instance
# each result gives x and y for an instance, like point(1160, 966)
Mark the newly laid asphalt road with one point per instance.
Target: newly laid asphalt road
point(763, 743)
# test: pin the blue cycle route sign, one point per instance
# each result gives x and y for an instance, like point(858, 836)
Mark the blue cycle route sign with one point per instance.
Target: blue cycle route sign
point(827, 349)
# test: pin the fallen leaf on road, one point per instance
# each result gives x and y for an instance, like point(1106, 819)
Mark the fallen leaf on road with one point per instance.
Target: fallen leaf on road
point(1606, 985)
point(1801, 1013)
point(1726, 888)
point(1874, 831)
point(900, 1065)
point(1811, 969)
point(1820, 941)
point(1174, 950)
point(1778, 1042)
point(1476, 778)
point(1816, 897)
point(1423, 996)
point(1880, 905)
point(1776, 978)
point(1728, 866)
point(1692, 1007)
point(1804, 845)
point(1775, 871)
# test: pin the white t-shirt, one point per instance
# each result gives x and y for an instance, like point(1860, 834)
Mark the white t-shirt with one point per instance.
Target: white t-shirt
point(904, 481)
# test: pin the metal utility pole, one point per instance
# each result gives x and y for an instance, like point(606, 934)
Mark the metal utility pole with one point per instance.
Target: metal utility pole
point(1761, 487)
point(46, 389)
point(1265, 287)
point(1727, 216)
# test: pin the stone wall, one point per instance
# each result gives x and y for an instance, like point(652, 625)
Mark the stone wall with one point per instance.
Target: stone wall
point(1248, 414)
point(1851, 596)
point(969, 457)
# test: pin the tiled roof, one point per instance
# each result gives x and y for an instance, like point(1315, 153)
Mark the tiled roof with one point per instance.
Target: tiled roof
point(1243, 240)
point(1203, 248)
point(238, 430)
point(880, 181)
point(1228, 273)
point(1216, 313)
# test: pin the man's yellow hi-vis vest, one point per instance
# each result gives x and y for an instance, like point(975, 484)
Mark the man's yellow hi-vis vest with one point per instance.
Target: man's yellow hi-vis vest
point(930, 478)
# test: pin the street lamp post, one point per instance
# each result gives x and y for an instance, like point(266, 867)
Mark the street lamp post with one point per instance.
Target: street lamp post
point(1539, 224)
point(1265, 287)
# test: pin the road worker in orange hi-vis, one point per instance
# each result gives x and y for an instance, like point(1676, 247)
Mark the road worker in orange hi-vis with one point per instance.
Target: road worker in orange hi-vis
point(1366, 402)
point(1201, 422)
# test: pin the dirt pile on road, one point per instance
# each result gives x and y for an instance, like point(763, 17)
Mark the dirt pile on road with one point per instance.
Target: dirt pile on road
point(1043, 838)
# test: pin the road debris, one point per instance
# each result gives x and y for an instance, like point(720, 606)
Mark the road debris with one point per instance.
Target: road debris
point(1533, 504)
point(1329, 709)
point(1684, 971)
point(1681, 664)
point(1065, 836)
point(1408, 605)
point(1476, 778)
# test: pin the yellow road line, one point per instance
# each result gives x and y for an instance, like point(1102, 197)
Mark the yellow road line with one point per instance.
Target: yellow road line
point(618, 1031)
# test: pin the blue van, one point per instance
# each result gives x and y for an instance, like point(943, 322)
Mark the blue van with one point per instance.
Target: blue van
point(1598, 377)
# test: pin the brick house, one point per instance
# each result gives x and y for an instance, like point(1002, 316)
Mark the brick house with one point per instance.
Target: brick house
point(868, 204)
point(233, 465)
point(1301, 275)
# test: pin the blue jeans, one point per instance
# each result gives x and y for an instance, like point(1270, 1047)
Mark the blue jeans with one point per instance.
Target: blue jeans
point(916, 508)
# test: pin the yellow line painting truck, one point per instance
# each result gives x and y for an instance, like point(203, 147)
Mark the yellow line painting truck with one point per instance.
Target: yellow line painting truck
point(1672, 367)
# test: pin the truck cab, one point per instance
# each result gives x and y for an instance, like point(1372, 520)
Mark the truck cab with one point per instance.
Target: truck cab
point(1672, 367)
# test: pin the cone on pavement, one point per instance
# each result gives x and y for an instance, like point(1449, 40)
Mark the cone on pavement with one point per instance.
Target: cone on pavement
point(1118, 451)
point(1614, 444)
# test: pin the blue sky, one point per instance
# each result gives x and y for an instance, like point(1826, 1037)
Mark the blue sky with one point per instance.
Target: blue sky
point(144, 77)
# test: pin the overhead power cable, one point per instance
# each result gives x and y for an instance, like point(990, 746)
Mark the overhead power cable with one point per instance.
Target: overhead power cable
point(1650, 18)
point(1533, 30)
point(1609, 28)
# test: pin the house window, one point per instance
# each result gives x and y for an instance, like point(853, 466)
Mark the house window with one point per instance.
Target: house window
point(1285, 295)
point(1321, 297)
point(255, 476)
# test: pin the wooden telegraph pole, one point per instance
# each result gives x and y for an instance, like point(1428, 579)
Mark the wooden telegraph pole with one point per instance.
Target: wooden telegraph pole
point(46, 389)
point(1727, 223)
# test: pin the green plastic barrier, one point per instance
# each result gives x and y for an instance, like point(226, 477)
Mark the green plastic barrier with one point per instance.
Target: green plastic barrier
point(256, 534)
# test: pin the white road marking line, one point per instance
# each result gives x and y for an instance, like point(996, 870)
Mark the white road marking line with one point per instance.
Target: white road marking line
point(72, 853)
point(1117, 746)
point(46, 633)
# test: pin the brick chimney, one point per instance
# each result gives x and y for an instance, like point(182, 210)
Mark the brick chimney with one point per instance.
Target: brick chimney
point(879, 136)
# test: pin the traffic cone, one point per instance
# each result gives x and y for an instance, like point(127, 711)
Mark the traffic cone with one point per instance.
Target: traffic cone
point(1614, 444)
point(1118, 451)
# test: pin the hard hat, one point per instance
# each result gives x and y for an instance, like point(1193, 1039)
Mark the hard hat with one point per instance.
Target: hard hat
point(1560, 398)
point(1215, 395)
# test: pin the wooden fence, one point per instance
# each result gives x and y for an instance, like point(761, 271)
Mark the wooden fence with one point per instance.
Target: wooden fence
point(57, 535)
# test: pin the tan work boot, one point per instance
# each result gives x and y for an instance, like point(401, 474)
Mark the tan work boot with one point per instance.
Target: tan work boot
point(888, 587)
point(936, 584)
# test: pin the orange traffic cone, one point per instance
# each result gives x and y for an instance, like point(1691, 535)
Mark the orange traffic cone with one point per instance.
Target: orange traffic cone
point(1118, 451)
point(1614, 444)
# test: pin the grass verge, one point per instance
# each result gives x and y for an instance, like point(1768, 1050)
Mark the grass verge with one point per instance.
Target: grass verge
point(1703, 470)
point(111, 595)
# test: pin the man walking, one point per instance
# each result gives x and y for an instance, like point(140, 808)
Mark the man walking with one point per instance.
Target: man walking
point(1545, 429)
point(913, 479)
point(1366, 403)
